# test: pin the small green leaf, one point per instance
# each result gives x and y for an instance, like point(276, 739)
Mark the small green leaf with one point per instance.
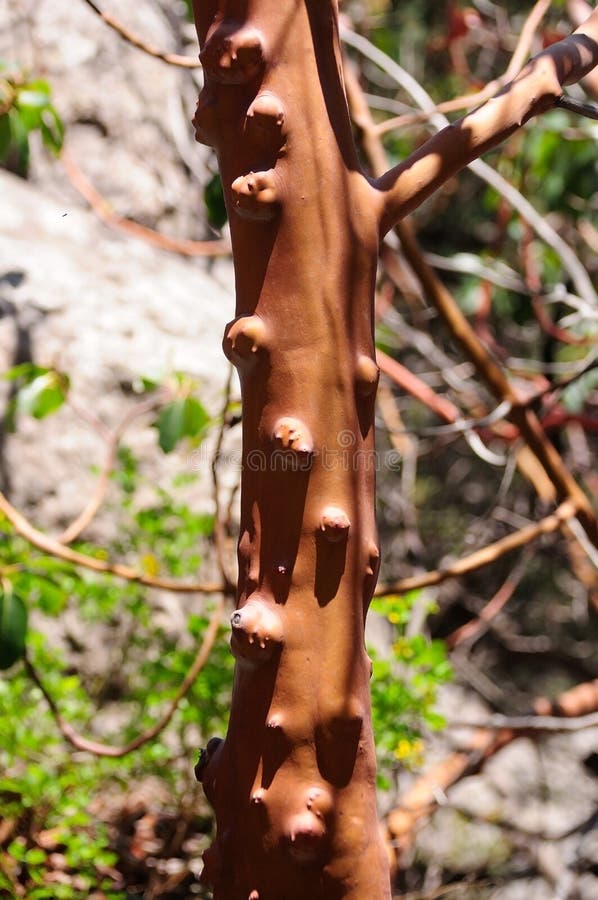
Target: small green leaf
point(44, 395)
point(170, 425)
point(28, 371)
point(13, 628)
point(195, 417)
point(52, 130)
point(5, 136)
point(213, 197)
point(181, 418)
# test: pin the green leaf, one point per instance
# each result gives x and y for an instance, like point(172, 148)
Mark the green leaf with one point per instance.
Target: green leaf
point(179, 419)
point(27, 370)
point(575, 394)
point(213, 197)
point(196, 417)
point(52, 130)
point(19, 142)
point(170, 425)
point(13, 628)
point(5, 136)
point(44, 395)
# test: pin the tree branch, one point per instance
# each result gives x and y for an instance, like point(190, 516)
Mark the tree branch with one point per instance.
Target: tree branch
point(579, 704)
point(485, 556)
point(529, 724)
point(467, 101)
point(54, 548)
point(173, 59)
point(104, 211)
point(79, 742)
point(490, 371)
point(536, 89)
point(87, 514)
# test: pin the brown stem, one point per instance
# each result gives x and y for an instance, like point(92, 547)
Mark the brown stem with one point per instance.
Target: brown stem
point(219, 525)
point(79, 742)
point(293, 784)
point(104, 211)
point(173, 59)
point(485, 556)
point(475, 628)
point(467, 101)
point(54, 548)
point(536, 89)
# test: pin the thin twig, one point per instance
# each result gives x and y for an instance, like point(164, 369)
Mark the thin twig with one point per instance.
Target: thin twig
point(173, 59)
point(104, 211)
point(475, 628)
point(589, 110)
point(525, 209)
point(579, 704)
point(414, 386)
point(81, 522)
point(79, 742)
point(485, 556)
point(219, 534)
point(554, 724)
point(468, 101)
point(54, 548)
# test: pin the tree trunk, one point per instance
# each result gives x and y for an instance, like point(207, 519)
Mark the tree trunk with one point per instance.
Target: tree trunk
point(293, 784)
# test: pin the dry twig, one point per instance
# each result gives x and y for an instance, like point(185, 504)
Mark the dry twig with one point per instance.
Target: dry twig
point(79, 742)
point(104, 211)
point(485, 556)
point(54, 548)
point(173, 59)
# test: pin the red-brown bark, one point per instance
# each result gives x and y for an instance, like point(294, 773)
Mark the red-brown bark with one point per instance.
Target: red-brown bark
point(293, 784)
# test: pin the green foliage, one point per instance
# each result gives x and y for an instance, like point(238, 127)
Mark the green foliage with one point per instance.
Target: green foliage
point(13, 627)
point(46, 789)
point(26, 107)
point(181, 417)
point(404, 687)
point(38, 392)
point(213, 197)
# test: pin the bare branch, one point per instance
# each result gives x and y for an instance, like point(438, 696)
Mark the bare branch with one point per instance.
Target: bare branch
point(578, 704)
point(173, 59)
point(79, 742)
point(535, 90)
point(485, 556)
point(480, 168)
point(468, 101)
point(491, 372)
point(552, 724)
point(87, 514)
point(102, 208)
point(589, 110)
point(55, 548)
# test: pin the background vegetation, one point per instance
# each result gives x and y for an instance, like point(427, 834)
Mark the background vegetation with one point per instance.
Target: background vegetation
point(97, 794)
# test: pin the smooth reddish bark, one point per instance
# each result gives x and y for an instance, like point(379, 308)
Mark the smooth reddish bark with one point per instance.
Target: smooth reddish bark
point(293, 784)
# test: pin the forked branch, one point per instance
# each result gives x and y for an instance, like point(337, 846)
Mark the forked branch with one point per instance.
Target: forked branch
point(537, 88)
